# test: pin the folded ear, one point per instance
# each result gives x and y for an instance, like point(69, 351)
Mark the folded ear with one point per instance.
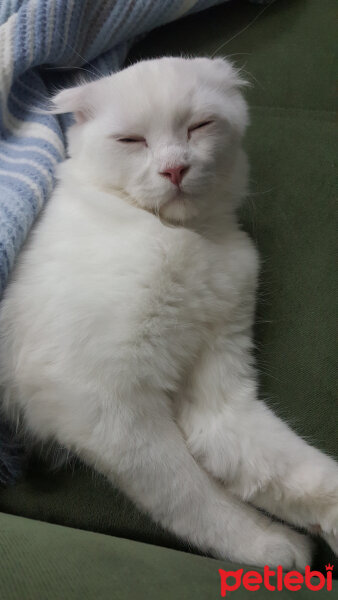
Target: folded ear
point(229, 73)
point(75, 100)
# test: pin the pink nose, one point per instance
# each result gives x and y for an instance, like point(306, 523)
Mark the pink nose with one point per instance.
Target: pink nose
point(176, 173)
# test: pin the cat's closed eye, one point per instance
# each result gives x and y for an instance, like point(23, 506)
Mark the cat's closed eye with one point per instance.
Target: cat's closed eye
point(131, 139)
point(200, 125)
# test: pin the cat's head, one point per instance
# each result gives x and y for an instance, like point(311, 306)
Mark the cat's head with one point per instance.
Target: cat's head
point(165, 132)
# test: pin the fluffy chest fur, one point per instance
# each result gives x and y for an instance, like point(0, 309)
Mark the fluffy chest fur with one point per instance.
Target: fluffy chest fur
point(126, 288)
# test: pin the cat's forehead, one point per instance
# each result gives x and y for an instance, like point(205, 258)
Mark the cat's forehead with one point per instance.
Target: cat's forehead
point(163, 77)
point(170, 88)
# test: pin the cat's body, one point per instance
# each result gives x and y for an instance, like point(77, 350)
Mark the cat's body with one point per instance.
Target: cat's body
point(126, 331)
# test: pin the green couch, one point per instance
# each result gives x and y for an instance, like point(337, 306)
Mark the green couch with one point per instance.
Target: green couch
point(52, 525)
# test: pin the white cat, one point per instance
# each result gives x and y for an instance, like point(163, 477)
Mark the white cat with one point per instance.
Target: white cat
point(126, 329)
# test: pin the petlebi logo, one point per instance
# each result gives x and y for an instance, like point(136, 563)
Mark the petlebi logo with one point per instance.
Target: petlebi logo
point(291, 580)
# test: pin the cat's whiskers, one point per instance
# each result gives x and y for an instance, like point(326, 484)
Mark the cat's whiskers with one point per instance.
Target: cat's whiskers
point(242, 30)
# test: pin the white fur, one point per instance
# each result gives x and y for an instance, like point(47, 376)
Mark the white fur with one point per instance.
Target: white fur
point(126, 330)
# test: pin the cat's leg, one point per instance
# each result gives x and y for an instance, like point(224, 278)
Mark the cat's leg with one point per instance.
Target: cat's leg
point(239, 440)
point(135, 442)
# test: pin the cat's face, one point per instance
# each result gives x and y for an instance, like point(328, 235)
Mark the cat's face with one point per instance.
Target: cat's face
point(162, 131)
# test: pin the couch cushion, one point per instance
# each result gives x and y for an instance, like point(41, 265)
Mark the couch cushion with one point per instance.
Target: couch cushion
point(39, 560)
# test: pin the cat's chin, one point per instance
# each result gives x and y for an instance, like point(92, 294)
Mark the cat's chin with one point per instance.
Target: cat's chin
point(178, 210)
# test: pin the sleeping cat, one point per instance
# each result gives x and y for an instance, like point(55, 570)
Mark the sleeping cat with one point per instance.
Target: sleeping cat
point(126, 329)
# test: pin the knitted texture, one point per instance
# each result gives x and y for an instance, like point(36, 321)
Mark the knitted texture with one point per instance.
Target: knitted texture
point(41, 44)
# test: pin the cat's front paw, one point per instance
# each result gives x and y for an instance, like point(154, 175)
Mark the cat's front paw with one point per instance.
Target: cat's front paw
point(329, 521)
point(315, 505)
point(279, 545)
point(332, 541)
point(328, 528)
point(326, 507)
